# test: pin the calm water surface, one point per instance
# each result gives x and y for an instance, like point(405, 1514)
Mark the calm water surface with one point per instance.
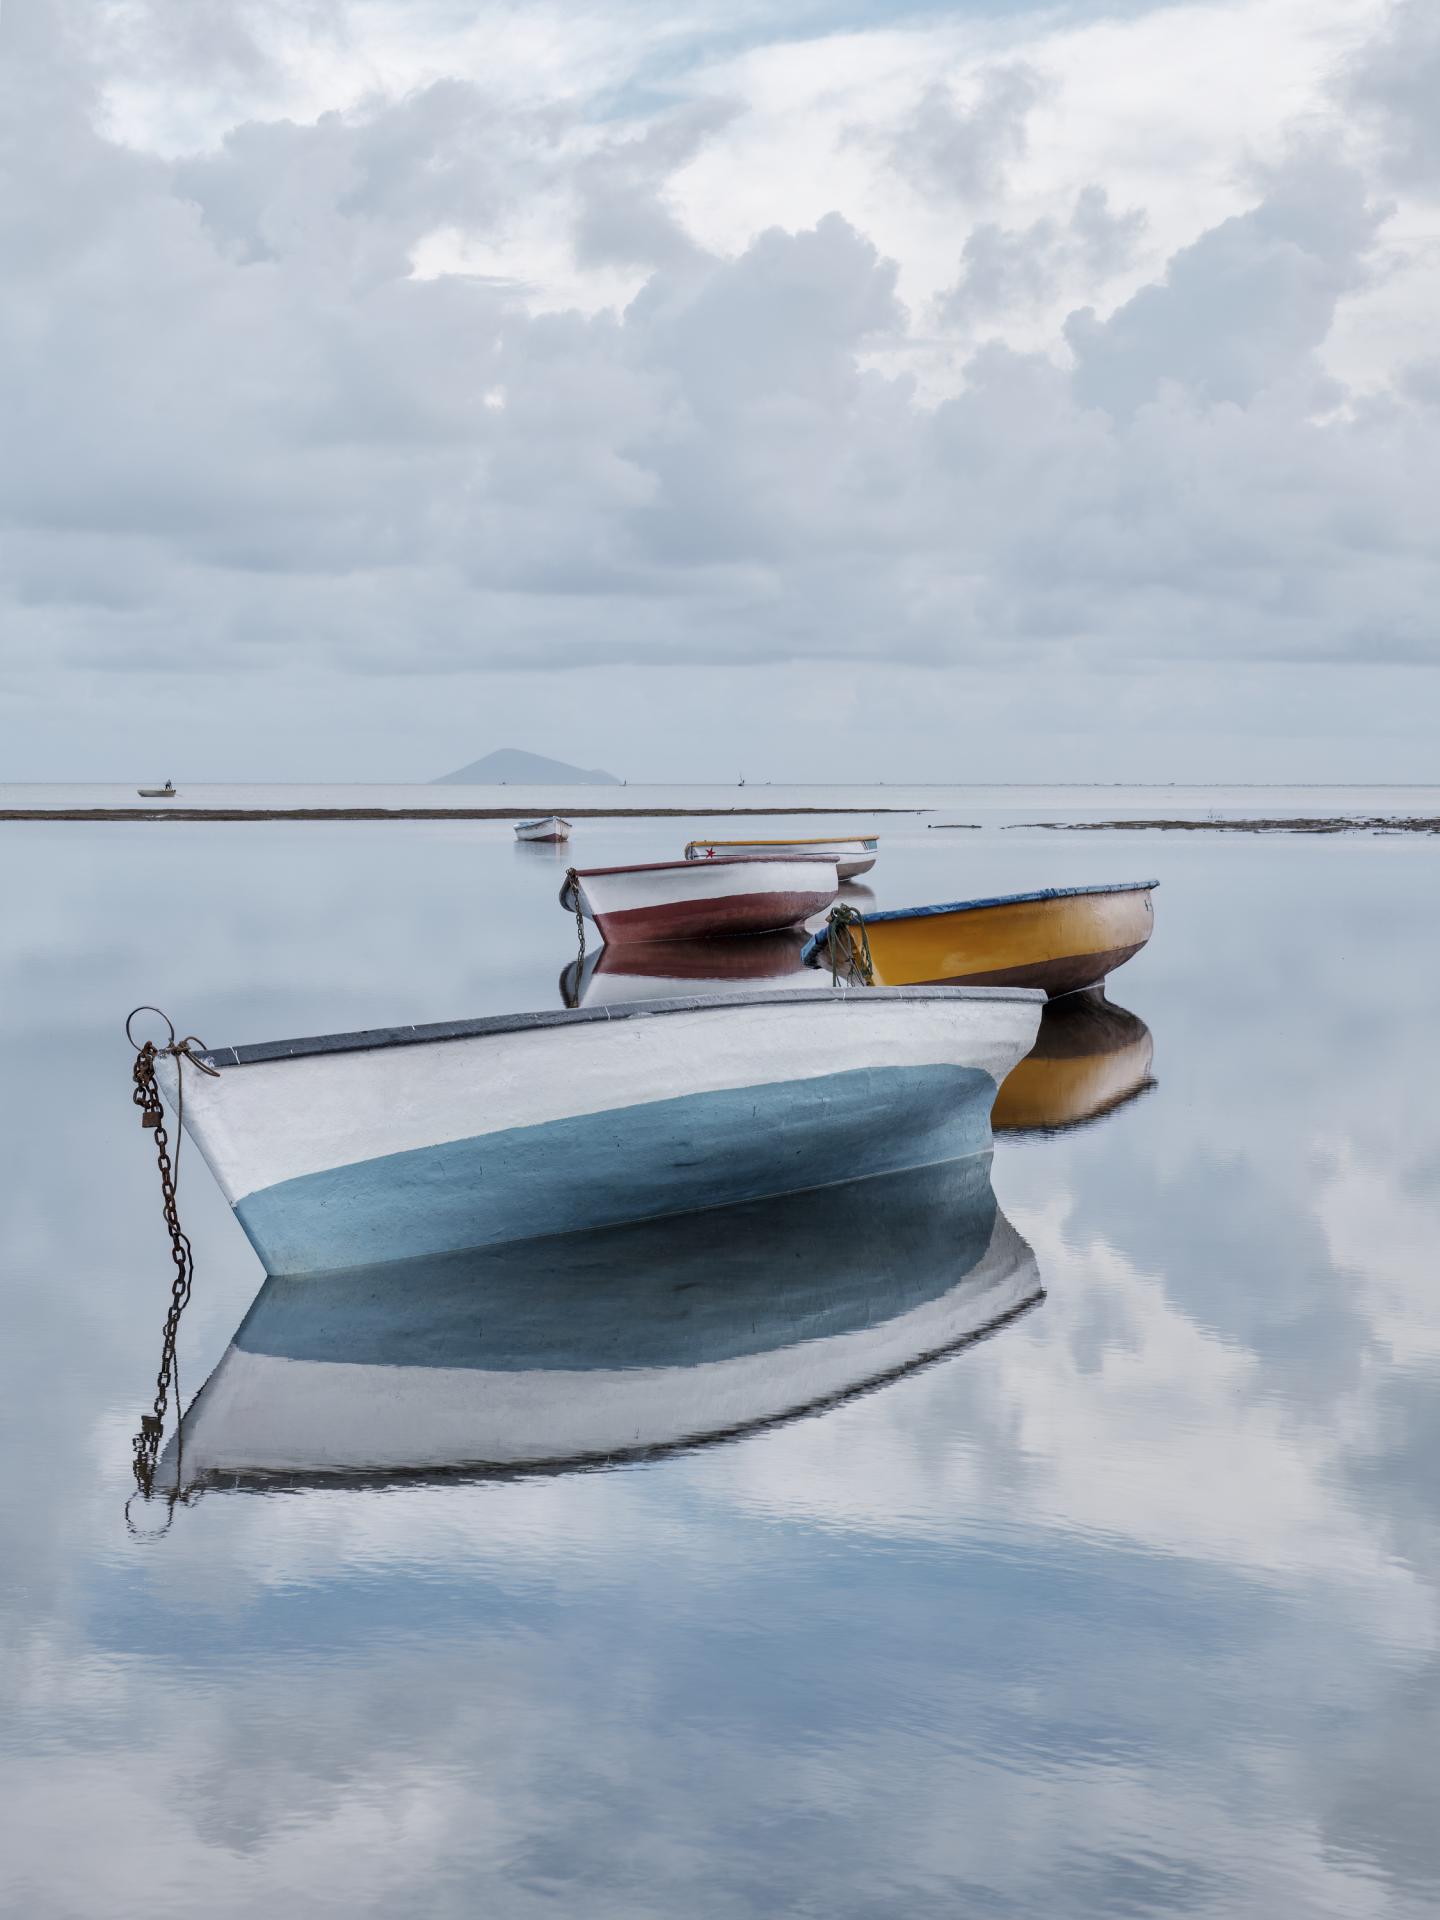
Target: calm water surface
point(1127, 1608)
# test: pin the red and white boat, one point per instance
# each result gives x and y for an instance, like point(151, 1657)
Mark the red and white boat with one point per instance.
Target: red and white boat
point(677, 899)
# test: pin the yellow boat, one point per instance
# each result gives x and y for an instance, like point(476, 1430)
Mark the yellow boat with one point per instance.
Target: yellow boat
point(1062, 939)
point(1089, 1058)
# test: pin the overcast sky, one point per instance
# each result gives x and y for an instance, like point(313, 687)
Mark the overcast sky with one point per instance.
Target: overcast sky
point(825, 390)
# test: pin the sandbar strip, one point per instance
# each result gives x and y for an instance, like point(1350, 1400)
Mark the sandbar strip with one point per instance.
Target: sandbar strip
point(421, 813)
point(1337, 823)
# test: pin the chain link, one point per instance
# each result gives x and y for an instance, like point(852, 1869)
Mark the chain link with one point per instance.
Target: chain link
point(145, 1094)
point(572, 880)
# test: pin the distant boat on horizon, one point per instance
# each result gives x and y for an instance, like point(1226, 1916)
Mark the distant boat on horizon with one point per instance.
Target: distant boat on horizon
point(167, 792)
point(551, 828)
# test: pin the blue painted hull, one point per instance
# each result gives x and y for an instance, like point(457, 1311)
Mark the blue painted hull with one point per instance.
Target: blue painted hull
point(683, 1292)
point(633, 1163)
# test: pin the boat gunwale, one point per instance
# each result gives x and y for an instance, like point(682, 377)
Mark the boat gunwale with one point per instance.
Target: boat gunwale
point(685, 866)
point(821, 938)
point(373, 1039)
point(867, 843)
point(543, 820)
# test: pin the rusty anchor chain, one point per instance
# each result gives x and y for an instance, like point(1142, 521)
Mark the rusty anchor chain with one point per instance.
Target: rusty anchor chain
point(145, 1094)
point(572, 881)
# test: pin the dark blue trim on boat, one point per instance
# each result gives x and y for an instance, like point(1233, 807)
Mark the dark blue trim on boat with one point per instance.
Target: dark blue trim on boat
point(572, 1016)
point(817, 940)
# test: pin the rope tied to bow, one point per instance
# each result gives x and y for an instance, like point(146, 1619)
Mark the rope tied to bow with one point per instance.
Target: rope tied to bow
point(145, 1095)
point(847, 941)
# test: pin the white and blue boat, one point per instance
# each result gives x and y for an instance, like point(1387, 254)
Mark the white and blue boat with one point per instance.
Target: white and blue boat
point(583, 1348)
point(546, 831)
point(406, 1142)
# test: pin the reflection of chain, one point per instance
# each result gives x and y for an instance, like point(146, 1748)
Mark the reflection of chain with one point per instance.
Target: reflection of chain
point(848, 940)
point(146, 1096)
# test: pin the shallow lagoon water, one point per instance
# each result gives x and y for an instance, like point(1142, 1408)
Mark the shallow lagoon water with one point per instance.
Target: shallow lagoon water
point(1129, 1607)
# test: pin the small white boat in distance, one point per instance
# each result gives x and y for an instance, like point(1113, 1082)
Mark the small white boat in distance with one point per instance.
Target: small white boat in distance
point(629, 1341)
point(680, 899)
point(167, 792)
point(852, 856)
point(552, 827)
point(398, 1144)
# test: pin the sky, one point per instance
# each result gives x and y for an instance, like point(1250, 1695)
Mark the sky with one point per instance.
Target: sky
point(835, 391)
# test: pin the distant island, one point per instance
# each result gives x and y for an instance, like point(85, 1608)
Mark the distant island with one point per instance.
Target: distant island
point(509, 767)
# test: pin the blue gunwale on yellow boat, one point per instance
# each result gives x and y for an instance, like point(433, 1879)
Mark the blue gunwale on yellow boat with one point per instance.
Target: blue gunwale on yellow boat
point(1062, 939)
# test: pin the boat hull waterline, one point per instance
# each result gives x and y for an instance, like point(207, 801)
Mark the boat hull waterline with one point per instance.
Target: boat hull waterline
point(852, 856)
point(682, 899)
point(357, 1148)
point(550, 829)
point(627, 1341)
point(1061, 940)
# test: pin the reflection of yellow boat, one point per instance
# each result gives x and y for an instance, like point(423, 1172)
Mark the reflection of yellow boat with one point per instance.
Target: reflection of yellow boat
point(1089, 1058)
point(1061, 939)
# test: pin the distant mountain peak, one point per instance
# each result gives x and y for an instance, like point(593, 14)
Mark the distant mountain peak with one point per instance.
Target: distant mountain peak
point(510, 766)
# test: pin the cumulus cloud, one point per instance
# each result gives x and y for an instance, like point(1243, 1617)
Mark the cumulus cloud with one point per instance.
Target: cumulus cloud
point(1005, 268)
point(623, 219)
point(1394, 83)
point(453, 378)
point(960, 148)
point(1246, 305)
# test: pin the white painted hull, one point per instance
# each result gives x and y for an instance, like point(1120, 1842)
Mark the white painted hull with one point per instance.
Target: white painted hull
point(573, 1350)
point(852, 857)
point(549, 830)
point(683, 899)
point(365, 1148)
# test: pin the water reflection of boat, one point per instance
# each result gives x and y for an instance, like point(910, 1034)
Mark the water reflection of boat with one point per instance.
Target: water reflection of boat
point(357, 1148)
point(1089, 1058)
point(591, 1347)
point(648, 970)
